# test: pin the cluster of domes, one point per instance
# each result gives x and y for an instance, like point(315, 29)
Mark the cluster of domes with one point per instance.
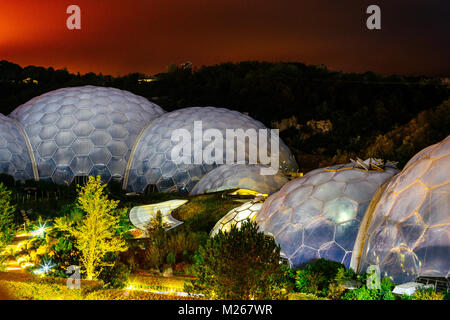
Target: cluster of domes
point(360, 214)
point(89, 130)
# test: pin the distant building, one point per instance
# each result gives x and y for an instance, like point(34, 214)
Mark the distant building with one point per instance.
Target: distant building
point(146, 80)
point(445, 80)
point(29, 80)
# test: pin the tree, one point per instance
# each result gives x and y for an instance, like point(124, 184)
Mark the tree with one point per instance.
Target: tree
point(156, 248)
point(240, 264)
point(6, 215)
point(96, 234)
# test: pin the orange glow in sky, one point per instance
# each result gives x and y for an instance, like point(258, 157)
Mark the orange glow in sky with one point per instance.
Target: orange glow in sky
point(119, 37)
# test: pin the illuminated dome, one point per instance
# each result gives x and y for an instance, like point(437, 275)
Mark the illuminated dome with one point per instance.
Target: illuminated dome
point(241, 176)
point(15, 157)
point(84, 130)
point(318, 215)
point(237, 216)
point(152, 162)
point(407, 227)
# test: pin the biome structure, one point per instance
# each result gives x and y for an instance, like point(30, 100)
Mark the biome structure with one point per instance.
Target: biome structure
point(90, 131)
point(407, 227)
point(319, 214)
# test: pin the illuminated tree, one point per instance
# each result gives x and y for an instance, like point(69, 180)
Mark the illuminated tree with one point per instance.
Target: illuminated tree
point(96, 234)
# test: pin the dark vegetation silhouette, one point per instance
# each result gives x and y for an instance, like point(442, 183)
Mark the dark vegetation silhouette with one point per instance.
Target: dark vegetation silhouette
point(369, 114)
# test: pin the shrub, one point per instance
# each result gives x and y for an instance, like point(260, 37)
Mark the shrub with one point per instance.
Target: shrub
point(364, 293)
point(116, 276)
point(427, 294)
point(6, 215)
point(316, 277)
point(170, 259)
point(240, 264)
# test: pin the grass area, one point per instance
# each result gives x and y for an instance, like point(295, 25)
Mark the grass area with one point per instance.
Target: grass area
point(202, 212)
point(24, 286)
point(304, 296)
point(159, 283)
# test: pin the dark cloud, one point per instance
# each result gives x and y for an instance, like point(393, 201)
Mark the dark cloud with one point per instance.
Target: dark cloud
point(146, 36)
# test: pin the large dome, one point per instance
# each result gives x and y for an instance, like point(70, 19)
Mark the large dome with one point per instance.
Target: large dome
point(407, 227)
point(240, 176)
point(15, 156)
point(84, 130)
point(152, 163)
point(318, 215)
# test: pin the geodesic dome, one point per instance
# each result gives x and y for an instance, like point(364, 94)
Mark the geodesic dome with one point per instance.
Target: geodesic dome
point(318, 215)
point(237, 216)
point(84, 130)
point(234, 176)
point(15, 158)
point(407, 228)
point(152, 163)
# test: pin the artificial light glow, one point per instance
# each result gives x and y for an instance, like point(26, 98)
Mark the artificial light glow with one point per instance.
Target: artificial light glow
point(44, 269)
point(40, 231)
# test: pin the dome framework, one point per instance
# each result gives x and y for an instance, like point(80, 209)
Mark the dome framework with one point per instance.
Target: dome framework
point(319, 214)
point(407, 228)
point(83, 131)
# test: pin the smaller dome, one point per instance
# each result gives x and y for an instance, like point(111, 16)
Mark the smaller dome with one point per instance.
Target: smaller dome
point(237, 216)
point(234, 176)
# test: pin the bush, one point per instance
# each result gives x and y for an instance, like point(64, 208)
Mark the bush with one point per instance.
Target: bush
point(364, 293)
point(240, 264)
point(427, 294)
point(7, 228)
point(116, 276)
point(316, 277)
point(170, 259)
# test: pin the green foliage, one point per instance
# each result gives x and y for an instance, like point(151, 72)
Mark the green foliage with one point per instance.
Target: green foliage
point(240, 264)
point(364, 293)
point(427, 294)
point(170, 259)
point(115, 275)
point(315, 277)
point(402, 142)
point(7, 227)
point(96, 234)
point(202, 212)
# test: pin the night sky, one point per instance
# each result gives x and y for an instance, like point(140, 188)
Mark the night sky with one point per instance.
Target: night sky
point(123, 36)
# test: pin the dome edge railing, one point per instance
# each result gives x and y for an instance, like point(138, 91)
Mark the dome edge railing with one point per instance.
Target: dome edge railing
point(30, 149)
